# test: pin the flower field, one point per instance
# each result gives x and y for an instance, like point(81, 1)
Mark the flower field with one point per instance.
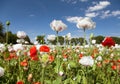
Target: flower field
point(45, 64)
point(57, 64)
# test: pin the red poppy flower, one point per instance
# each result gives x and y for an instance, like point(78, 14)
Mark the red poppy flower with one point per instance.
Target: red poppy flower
point(108, 41)
point(80, 55)
point(51, 58)
point(65, 56)
point(24, 63)
point(20, 82)
point(33, 51)
point(44, 49)
point(114, 67)
point(35, 58)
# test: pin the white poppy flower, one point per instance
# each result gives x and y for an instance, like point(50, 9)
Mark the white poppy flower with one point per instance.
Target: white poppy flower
point(17, 47)
point(1, 71)
point(21, 34)
point(99, 58)
point(61, 73)
point(68, 36)
point(58, 25)
point(86, 61)
point(86, 23)
point(2, 47)
point(93, 41)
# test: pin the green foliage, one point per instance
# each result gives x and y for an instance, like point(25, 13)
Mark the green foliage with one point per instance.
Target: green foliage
point(99, 39)
point(1, 33)
point(11, 38)
point(116, 39)
point(41, 39)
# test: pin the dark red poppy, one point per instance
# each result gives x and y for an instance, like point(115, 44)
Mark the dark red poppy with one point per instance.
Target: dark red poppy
point(33, 51)
point(44, 48)
point(20, 82)
point(108, 42)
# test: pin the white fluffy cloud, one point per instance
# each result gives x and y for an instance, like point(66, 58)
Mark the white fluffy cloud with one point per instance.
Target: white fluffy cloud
point(101, 5)
point(93, 14)
point(73, 19)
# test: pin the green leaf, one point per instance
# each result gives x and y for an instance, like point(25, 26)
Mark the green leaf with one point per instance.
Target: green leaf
point(84, 80)
point(72, 64)
point(78, 79)
point(67, 81)
point(47, 81)
point(57, 81)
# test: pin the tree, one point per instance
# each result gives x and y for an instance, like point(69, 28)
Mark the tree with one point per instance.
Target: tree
point(27, 39)
point(116, 39)
point(11, 37)
point(41, 39)
point(1, 33)
point(61, 40)
point(81, 40)
point(98, 39)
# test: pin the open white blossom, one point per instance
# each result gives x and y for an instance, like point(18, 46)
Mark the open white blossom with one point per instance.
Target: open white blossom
point(21, 34)
point(51, 37)
point(1, 71)
point(61, 73)
point(68, 36)
point(86, 23)
point(93, 41)
point(58, 25)
point(2, 47)
point(86, 61)
point(17, 47)
point(99, 58)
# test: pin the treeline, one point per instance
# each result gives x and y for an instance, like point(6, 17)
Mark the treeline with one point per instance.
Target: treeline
point(12, 38)
point(73, 41)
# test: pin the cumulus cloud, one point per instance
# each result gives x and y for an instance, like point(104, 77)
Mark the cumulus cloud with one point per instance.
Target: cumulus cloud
point(99, 6)
point(73, 19)
point(93, 14)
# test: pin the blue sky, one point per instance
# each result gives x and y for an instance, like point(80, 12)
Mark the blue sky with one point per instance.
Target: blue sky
point(34, 16)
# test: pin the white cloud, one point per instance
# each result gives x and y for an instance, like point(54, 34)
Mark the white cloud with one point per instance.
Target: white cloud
point(116, 13)
point(73, 1)
point(105, 14)
point(93, 14)
point(108, 13)
point(101, 5)
point(73, 19)
point(83, 0)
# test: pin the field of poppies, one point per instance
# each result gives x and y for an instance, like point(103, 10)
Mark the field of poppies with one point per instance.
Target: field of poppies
point(56, 64)
point(45, 64)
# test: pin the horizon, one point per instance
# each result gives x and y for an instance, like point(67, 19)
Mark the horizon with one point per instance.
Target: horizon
point(34, 16)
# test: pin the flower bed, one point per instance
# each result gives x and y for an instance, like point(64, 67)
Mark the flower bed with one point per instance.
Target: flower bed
point(42, 64)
